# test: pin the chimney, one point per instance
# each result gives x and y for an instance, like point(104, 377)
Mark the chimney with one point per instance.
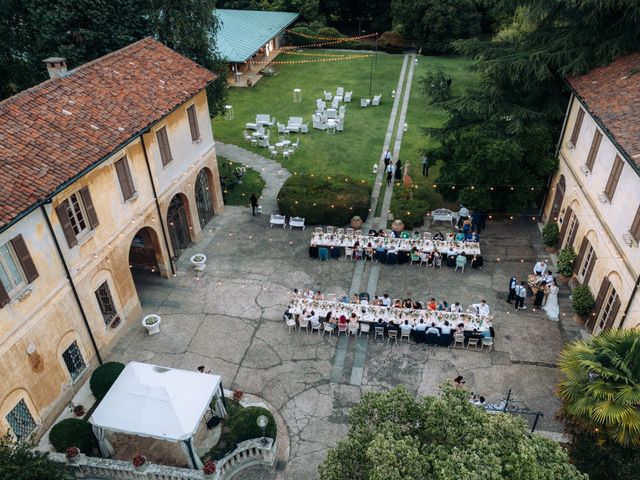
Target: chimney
point(56, 66)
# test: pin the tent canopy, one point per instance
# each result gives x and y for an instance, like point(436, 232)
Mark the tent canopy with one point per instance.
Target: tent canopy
point(157, 402)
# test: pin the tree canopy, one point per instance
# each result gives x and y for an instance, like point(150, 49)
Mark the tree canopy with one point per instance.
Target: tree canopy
point(397, 436)
point(18, 461)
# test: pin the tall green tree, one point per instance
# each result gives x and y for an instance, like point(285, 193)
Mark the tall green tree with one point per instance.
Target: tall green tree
point(521, 98)
point(601, 385)
point(396, 436)
point(19, 461)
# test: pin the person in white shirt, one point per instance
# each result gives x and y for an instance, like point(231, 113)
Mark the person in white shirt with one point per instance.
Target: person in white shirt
point(446, 328)
point(521, 294)
point(539, 268)
point(482, 308)
point(420, 326)
point(314, 319)
point(406, 327)
point(456, 308)
point(549, 278)
point(433, 329)
point(386, 301)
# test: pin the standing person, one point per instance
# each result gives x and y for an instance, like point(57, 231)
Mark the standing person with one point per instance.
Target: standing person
point(539, 268)
point(521, 294)
point(513, 282)
point(425, 166)
point(386, 157)
point(398, 171)
point(551, 307)
point(539, 297)
point(389, 174)
point(254, 203)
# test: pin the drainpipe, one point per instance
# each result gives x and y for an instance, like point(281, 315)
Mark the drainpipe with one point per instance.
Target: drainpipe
point(155, 197)
point(73, 287)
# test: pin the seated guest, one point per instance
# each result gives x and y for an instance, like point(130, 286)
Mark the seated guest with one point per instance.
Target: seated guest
point(380, 323)
point(460, 328)
point(342, 320)
point(296, 292)
point(474, 236)
point(318, 296)
point(548, 279)
point(355, 298)
point(446, 328)
point(391, 326)
point(432, 304)
point(369, 250)
point(364, 301)
point(354, 318)
point(482, 308)
point(344, 298)
point(456, 308)
point(407, 303)
point(459, 237)
point(420, 326)
point(433, 329)
point(382, 233)
point(478, 401)
point(397, 303)
point(443, 306)
point(314, 319)
point(329, 320)
point(451, 257)
point(308, 294)
point(373, 233)
point(461, 259)
point(406, 327)
point(438, 236)
point(386, 301)
point(417, 305)
point(376, 301)
point(458, 381)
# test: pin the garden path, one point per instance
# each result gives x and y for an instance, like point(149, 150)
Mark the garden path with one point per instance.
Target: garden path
point(273, 173)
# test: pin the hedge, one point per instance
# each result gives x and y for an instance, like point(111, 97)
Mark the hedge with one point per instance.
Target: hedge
point(103, 378)
point(410, 205)
point(391, 42)
point(73, 432)
point(243, 426)
point(324, 202)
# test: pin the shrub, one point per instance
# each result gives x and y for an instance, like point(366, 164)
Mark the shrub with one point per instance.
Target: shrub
point(243, 424)
point(323, 201)
point(73, 432)
point(329, 32)
point(293, 39)
point(410, 206)
point(565, 261)
point(103, 378)
point(550, 234)
point(392, 42)
point(582, 301)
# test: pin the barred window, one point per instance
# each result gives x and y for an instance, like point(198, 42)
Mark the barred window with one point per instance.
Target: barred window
point(107, 307)
point(73, 360)
point(21, 422)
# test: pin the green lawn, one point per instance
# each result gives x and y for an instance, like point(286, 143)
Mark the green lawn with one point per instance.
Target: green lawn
point(240, 193)
point(421, 115)
point(352, 152)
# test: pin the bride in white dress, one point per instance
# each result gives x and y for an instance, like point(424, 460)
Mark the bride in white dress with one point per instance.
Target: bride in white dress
point(551, 307)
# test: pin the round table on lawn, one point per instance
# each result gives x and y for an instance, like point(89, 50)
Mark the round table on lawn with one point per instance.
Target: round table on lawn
point(286, 143)
point(280, 146)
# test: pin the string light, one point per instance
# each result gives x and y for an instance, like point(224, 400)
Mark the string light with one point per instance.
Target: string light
point(343, 39)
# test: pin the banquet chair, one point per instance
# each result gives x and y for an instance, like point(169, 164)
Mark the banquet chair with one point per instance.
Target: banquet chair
point(392, 258)
point(358, 233)
point(378, 331)
point(487, 342)
point(317, 230)
point(339, 231)
point(473, 341)
point(426, 235)
point(315, 326)
point(327, 327)
point(364, 328)
point(381, 256)
point(304, 323)
point(458, 338)
point(437, 262)
point(330, 230)
point(460, 262)
point(415, 257)
point(342, 327)
point(359, 252)
point(353, 329)
point(369, 253)
point(349, 231)
point(431, 339)
point(405, 335)
point(291, 324)
point(348, 253)
point(424, 258)
point(323, 253)
point(392, 335)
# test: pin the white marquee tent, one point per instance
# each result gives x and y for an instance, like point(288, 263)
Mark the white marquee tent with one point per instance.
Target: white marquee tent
point(157, 402)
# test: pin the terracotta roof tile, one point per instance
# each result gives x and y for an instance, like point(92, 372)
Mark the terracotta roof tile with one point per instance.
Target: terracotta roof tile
point(612, 94)
point(52, 132)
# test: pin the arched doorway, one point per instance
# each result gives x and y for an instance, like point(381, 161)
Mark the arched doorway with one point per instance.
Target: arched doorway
point(558, 199)
point(178, 224)
point(204, 202)
point(144, 253)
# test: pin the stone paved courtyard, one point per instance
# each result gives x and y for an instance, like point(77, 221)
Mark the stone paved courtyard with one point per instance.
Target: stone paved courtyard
point(230, 320)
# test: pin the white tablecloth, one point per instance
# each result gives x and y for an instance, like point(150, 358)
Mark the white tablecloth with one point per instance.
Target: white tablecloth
point(404, 244)
point(372, 313)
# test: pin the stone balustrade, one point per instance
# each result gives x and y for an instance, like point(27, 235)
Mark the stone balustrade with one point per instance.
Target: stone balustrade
point(248, 453)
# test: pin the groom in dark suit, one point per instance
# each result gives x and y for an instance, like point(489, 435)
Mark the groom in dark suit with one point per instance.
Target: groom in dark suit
point(513, 281)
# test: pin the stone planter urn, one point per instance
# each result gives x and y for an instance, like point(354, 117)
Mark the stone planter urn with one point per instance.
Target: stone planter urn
point(78, 411)
point(356, 222)
point(198, 260)
point(140, 463)
point(152, 323)
point(73, 454)
point(397, 226)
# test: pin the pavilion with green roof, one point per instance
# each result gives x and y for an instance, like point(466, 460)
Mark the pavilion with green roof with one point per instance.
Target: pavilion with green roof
point(248, 38)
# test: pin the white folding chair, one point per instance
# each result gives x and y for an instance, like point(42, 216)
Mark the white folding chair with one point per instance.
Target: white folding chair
point(364, 328)
point(303, 322)
point(474, 342)
point(378, 331)
point(406, 335)
point(317, 230)
point(327, 328)
point(348, 253)
point(458, 338)
point(392, 335)
point(349, 231)
point(315, 326)
point(353, 329)
point(487, 342)
point(330, 230)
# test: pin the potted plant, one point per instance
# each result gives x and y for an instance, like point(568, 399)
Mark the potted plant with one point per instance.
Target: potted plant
point(209, 469)
point(78, 411)
point(582, 302)
point(73, 454)
point(198, 259)
point(550, 234)
point(152, 323)
point(565, 264)
point(356, 222)
point(237, 394)
point(139, 462)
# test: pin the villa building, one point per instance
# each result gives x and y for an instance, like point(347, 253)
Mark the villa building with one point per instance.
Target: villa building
point(105, 168)
point(595, 194)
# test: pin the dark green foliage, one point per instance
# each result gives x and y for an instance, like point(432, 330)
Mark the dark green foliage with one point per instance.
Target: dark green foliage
point(437, 86)
point(73, 432)
point(392, 42)
point(410, 205)
point(550, 234)
point(565, 261)
point(603, 460)
point(329, 32)
point(305, 37)
point(582, 300)
point(103, 377)
point(243, 424)
point(322, 201)
point(19, 461)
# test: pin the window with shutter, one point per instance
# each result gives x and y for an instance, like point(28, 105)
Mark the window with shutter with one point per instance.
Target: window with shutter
point(124, 177)
point(614, 176)
point(22, 252)
point(586, 266)
point(609, 309)
point(77, 216)
point(593, 152)
point(193, 123)
point(12, 276)
point(574, 223)
point(577, 126)
point(635, 226)
point(565, 224)
point(163, 145)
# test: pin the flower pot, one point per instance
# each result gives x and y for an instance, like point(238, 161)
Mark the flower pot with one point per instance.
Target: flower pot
point(78, 411)
point(579, 320)
point(75, 459)
point(562, 279)
point(152, 326)
point(550, 249)
point(198, 260)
